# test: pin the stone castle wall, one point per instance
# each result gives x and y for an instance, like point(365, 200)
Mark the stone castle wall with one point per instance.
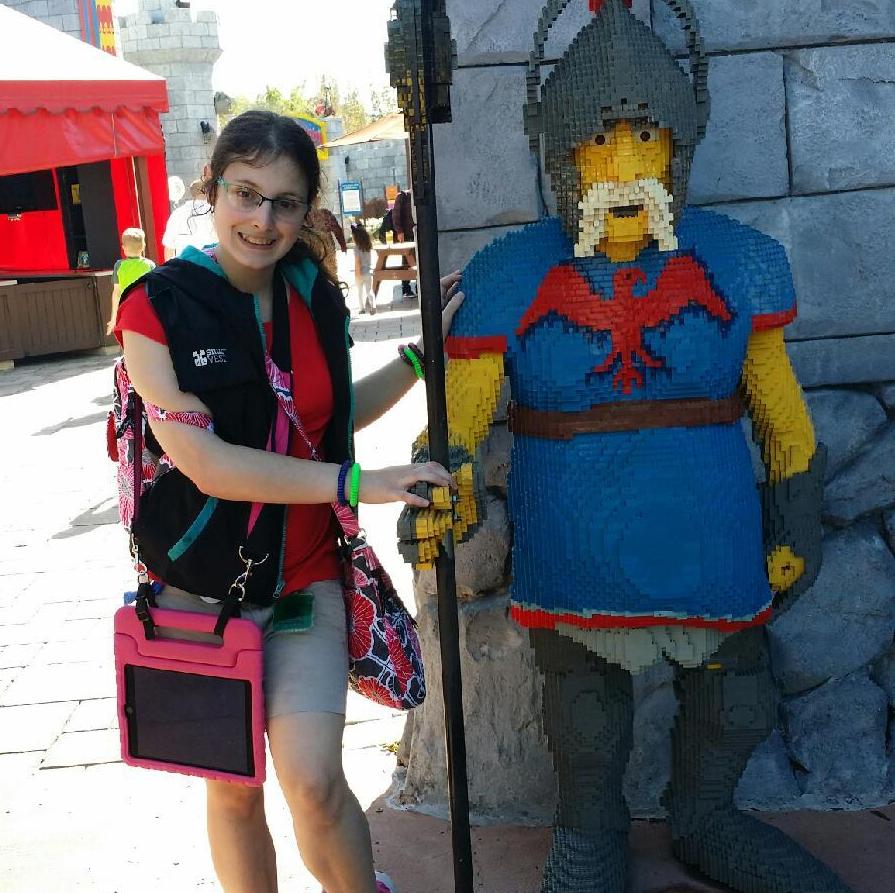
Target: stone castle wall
point(800, 145)
point(181, 45)
point(60, 14)
point(375, 165)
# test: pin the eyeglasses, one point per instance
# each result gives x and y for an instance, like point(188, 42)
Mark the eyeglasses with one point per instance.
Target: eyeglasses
point(244, 198)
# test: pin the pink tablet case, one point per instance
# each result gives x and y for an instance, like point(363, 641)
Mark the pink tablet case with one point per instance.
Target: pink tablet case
point(150, 669)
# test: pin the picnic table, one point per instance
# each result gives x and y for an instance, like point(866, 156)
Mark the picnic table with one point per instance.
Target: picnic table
point(406, 251)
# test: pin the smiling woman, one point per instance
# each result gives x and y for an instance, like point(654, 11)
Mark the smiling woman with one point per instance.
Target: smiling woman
point(213, 342)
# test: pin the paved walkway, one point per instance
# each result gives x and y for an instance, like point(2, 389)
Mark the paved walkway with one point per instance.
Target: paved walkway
point(72, 817)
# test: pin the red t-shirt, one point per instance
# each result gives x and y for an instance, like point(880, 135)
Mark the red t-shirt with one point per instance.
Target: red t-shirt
point(310, 554)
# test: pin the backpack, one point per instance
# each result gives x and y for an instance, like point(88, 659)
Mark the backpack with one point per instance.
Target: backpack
point(121, 434)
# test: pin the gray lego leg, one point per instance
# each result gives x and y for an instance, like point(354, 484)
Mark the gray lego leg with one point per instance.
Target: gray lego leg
point(588, 714)
point(727, 708)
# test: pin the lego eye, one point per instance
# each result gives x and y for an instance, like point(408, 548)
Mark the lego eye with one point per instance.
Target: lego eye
point(646, 135)
point(600, 139)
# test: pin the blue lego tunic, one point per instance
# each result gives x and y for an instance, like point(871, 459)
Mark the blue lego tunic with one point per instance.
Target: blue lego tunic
point(644, 527)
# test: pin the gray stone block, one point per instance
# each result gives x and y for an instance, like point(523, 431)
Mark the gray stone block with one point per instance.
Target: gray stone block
point(838, 735)
point(743, 154)
point(843, 360)
point(844, 420)
point(483, 180)
point(889, 522)
point(456, 249)
point(845, 620)
point(769, 781)
point(841, 112)
point(843, 274)
point(865, 485)
point(490, 33)
point(760, 24)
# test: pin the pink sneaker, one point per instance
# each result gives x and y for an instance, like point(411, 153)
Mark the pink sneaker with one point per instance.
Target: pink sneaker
point(384, 884)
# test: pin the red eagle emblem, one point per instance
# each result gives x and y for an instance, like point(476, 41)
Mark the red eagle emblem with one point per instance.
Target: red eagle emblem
point(625, 316)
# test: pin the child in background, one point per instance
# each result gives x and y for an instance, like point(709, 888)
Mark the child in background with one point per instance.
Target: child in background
point(363, 277)
point(129, 269)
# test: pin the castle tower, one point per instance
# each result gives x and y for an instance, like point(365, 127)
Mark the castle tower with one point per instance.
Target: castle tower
point(180, 44)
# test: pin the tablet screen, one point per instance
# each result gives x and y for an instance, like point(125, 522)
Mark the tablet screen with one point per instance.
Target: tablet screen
point(188, 719)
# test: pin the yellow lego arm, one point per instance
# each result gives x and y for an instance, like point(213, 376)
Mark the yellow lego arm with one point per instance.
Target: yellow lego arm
point(473, 389)
point(777, 407)
point(793, 493)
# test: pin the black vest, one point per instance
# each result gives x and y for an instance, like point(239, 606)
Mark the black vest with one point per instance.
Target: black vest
point(186, 538)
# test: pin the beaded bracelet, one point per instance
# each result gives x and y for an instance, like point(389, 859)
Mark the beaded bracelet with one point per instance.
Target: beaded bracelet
point(354, 492)
point(413, 356)
point(340, 487)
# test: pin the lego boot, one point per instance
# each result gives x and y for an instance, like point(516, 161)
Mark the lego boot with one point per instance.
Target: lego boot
point(588, 713)
point(727, 707)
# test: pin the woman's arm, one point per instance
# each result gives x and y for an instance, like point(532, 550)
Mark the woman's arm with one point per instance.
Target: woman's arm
point(244, 474)
point(378, 392)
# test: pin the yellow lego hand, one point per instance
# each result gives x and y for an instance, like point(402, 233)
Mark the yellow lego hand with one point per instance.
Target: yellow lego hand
point(784, 568)
point(422, 531)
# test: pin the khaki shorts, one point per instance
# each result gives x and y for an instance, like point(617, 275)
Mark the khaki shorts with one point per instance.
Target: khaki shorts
point(305, 672)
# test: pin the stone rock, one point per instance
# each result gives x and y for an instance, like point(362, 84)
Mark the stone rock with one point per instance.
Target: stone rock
point(845, 620)
point(743, 154)
point(490, 33)
point(510, 772)
point(883, 674)
point(769, 781)
point(889, 522)
point(481, 562)
point(844, 421)
point(837, 735)
point(496, 458)
point(886, 394)
point(866, 484)
point(481, 180)
point(760, 24)
point(841, 104)
point(835, 361)
point(649, 767)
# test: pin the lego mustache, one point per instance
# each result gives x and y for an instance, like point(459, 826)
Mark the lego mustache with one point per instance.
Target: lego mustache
point(624, 200)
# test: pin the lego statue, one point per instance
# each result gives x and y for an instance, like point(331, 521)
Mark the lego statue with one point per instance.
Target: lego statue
point(634, 332)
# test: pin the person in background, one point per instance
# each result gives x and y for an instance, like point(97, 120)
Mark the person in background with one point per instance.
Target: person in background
point(363, 277)
point(129, 269)
point(192, 223)
point(325, 225)
point(403, 223)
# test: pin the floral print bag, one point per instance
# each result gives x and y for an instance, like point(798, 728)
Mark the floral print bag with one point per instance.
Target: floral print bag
point(385, 663)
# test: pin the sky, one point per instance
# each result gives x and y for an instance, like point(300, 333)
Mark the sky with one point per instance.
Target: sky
point(284, 43)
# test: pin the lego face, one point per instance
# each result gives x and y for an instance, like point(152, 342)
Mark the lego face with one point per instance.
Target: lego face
point(625, 178)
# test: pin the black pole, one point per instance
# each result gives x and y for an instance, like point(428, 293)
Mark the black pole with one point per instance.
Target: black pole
point(423, 39)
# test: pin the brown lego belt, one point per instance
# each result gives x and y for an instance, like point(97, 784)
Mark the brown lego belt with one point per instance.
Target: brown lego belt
point(612, 417)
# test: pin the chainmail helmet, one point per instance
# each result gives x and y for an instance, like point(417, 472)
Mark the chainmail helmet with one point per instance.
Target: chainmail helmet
point(615, 69)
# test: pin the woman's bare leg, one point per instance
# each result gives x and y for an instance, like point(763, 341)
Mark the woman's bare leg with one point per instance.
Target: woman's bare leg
point(241, 846)
point(330, 827)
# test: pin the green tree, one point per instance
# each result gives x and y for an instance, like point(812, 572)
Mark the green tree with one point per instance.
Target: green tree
point(353, 113)
point(383, 102)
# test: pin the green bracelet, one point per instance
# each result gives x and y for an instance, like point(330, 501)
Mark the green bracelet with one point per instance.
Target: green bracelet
point(354, 491)
point(410, 357)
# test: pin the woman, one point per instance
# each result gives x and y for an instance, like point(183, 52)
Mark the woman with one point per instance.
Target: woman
point(363, 264)
point(191, 334)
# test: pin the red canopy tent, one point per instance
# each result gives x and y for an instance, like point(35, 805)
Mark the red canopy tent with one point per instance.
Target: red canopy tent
point(90, 119)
